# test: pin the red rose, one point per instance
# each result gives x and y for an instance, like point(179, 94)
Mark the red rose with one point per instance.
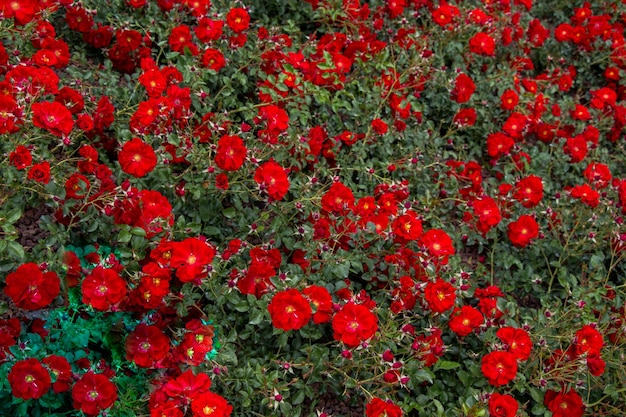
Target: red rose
point(598, 175)
point(77, 186)
point(444, 15)
point(576, 148)
point(514, 125)
point(509, 99)
point(146, 345)
point(586, 194)
point(380, 408)
point(10, 112)
point(564, 404)
point(289, 310)
point(488, 214)
point(596, 365)
point(429, 348)
point(465, 117)
point(209, 30)
point(257, 279)
point(61, 369)
point(231, 153)
point(273, 179)
point(191, 258)
point(502, 405)
point(588, 340)
point(54, 117)
point(93, 393)
point(407, 227)
point(21, 158)
point(188, 385)
point(499, 144)
point(379, 126)
point(196, 344)
point(322, 301)
point(238, 19)
point(354, 324)
point(31, 289)
point(137, 158)
point(529, 191)
point(103, 288)
point(499, 367)
point(221, 181)
point(339, 199)
point(28, 379)
point(465, 320)
point(213, 59)
point(440, 295)
point(210, 404)
point(523, 230)
point(517, 340)
point(154, 82)
point(482, 44)
point(438, 243)
point(464, 87)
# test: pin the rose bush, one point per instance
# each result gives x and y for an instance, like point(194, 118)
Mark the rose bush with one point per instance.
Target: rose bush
point(407, 207)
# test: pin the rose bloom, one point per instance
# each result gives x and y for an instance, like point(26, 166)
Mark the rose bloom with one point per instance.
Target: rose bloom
point(379, 126)
point(499, 144)
point(210, 404)
point(54, 117)
point(322, 301)
point(588, 340)
point(231, 153)
point(482, 44)
point(464, 320)
point(353, 324)
point(238, 19)
point(273, 178)
point(464, 87)
point(517, 340)
point(137, 158)
point(338, 199)
point(61, 369)
point(564, 404)
point(31, 289)
point(93, 393)
point(407, 227)
point(28, 379)
point(77, 186)
point(103, 288)
point(440, 295)
point(213, 59)
point(522, 231)
point(146, 345)
point(40, 172)
point(499, 368)
point(529, 191)
point(381, 408)
point(502, 405)
point(586, 194)
point(289, 310)
point(438, 243)
point(21, 157)
point(191, 258)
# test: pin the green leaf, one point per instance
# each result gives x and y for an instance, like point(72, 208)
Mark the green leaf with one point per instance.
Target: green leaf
point(14, 215)
point(256, 316)
point(15, 250)
point(446, 365)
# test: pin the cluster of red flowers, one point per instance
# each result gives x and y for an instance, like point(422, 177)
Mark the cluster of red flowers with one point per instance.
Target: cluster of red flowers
point(166, 134)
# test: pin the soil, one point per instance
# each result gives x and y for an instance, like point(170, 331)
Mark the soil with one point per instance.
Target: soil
point(338, 406)
point(28, 227)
